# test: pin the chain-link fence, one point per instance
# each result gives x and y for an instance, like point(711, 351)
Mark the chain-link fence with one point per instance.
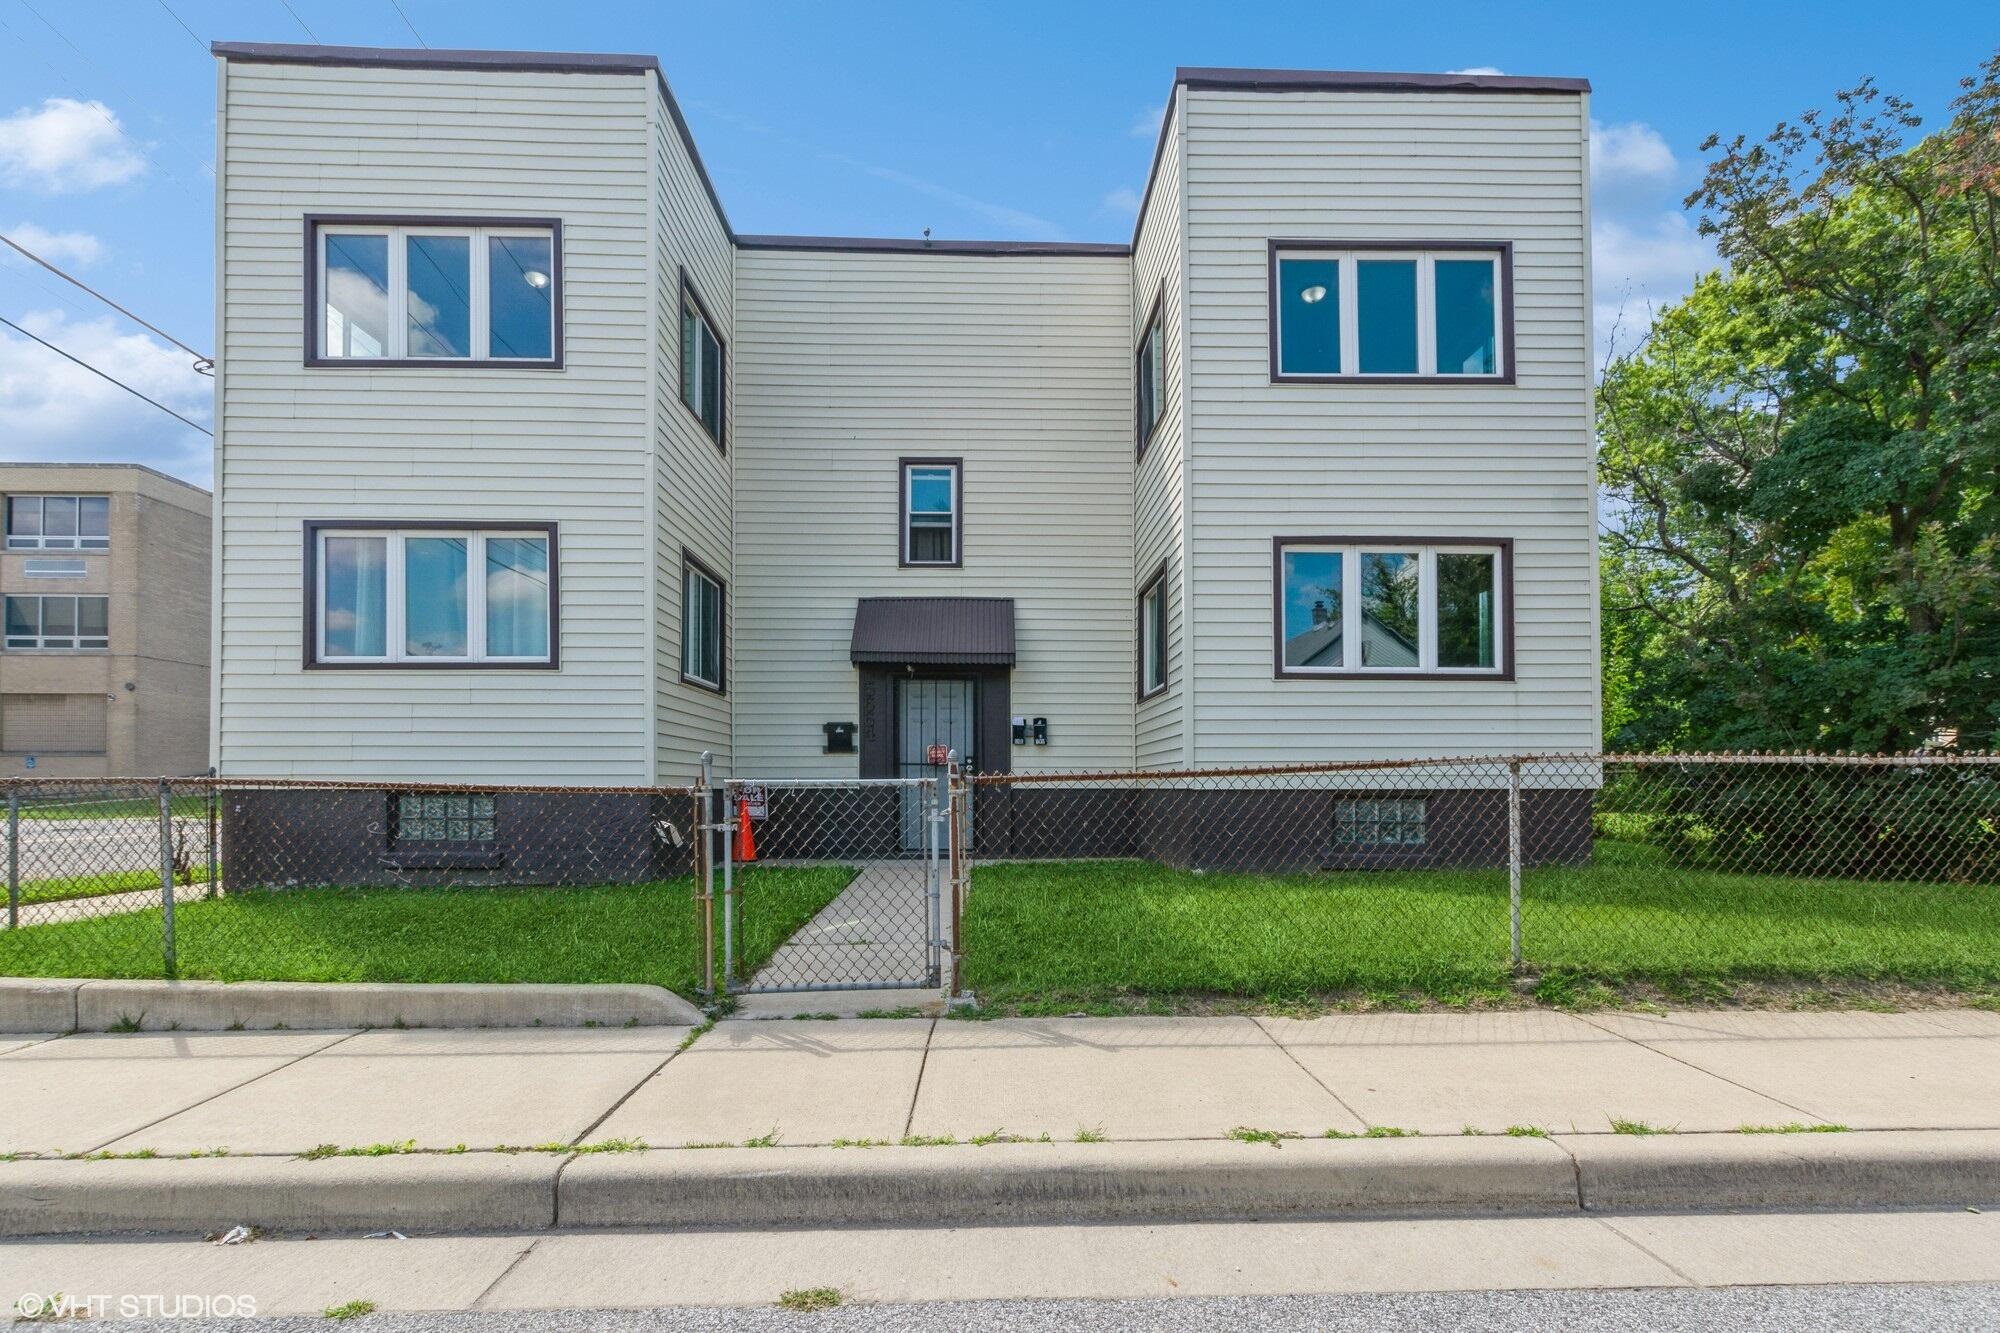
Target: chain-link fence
point(1442, 877)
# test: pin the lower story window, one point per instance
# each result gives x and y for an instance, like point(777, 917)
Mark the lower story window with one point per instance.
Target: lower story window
point(1361, 606)
point(424, 820)
point(701, 625)
point(56, 622)
point(1374, 822)
point(433, 595)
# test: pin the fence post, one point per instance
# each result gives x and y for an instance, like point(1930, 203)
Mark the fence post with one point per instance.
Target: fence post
point(167, 879)
point(727, 827)
point(704, 851)
point(1514, 861)
point(938, 801)
point(213, 886)
point(955, 831)
point(13, 856)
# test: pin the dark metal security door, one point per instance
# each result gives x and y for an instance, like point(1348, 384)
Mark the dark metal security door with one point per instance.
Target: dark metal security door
point(931, 712)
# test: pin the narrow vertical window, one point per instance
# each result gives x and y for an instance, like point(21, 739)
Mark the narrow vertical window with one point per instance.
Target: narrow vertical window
point(1467, 588)
point(1391, 602)
point(439, 304)
point(703, 358)
point(355, 600)
point(517, 597)
point(435, 597)
point(356, 295)
point(701, 625)
point(1385, 303)
point(520, 279)
point(1467, 322)
point(1309, 316)
point(1313, 590)
point(1153, 635)
point(931, 512)
point(1149, 363)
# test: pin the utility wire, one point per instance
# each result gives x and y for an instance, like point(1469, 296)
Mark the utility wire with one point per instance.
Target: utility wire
point(203, 364)
point(296, 19)
point(184, 27)
point(411, 26)
point(107, 378)
point(200, 161)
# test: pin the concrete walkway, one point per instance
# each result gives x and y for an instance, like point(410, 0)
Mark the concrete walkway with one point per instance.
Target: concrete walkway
point(877, 931)
point(1156, 1117)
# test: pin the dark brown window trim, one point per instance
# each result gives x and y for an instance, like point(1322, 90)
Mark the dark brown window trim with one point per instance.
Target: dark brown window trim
point(692, 294)
point(1504, 249)
point(890, 245)
point(691, 561)
point(309, 645)
point(311, 345)
point(1157, 579)
point(1155, 325)
point(903, 561)
point(1505, 675)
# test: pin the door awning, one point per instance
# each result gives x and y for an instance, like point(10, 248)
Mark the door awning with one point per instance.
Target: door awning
point(933, 631)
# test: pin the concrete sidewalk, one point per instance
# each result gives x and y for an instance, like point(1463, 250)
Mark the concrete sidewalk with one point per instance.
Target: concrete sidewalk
point(1033, 1119)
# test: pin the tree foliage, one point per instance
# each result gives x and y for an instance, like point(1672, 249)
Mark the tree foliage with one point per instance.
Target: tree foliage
point(1802, 459)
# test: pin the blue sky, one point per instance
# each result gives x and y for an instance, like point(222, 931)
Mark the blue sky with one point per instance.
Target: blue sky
point(1016, 120)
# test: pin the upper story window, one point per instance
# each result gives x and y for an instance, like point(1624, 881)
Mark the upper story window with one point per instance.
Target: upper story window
point(380, 595)
point(58, 522)
point(1153, 634)
point(933, 518)
point(702, 624)
point(1150, 377)
point(1394, 607)
point(702, 363)
point(446, 291)
point(1391, 313)
point(57, 622)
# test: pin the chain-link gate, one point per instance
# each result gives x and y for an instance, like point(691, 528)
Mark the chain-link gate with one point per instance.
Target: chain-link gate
point(883, 924)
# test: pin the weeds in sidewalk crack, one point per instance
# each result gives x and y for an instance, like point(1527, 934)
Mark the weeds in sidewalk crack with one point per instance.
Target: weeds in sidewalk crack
point(1274, 1137)
point(351, 1310)
point(808, 1300)
point(1620, 1125)
point(859, 1143)
point(1526, 1132)
point(1096, 1135)
point(1793, 1128)
point(929, 1140)
point(768, 1139)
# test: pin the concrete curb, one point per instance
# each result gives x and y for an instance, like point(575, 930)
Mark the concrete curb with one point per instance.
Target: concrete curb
point(1877, 1168)
point(211, 1006)
point(1050, 1183)
point(469, 1192)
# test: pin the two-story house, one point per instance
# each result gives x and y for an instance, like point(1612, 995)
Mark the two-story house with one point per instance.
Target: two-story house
point(532, 469)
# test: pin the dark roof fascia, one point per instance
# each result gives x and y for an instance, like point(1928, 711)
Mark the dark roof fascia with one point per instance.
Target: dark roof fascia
point(392, 57)
point(906, 246)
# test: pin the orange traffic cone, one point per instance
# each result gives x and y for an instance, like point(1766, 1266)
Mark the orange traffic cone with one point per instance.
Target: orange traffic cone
point(746, 845)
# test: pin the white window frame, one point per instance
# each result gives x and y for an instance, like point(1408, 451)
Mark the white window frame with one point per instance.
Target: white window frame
point(38, 641)
point(396, 346)
point(1351, 628)
point(690, 570)
point(693, 364)
point(1153, 636)
point(1350, 314)
point(953, 519)
point(42, 541)
point(396, 601)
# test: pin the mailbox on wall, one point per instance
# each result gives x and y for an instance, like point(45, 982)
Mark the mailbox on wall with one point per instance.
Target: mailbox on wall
point(839, 737)
point(1041, 731)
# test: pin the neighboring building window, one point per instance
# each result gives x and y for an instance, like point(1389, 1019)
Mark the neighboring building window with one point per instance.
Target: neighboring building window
point(1379, 823)
point(53, 622)
point(1395, 314)
point(54, 569)
point(1153, 634)
point(436, 292)
point(431, 819)
point(702, 624)
point(932, 521)
point(58, 522)
point(702, 365)
point(1151, 377)
point(433, 596)
point(1367, 607)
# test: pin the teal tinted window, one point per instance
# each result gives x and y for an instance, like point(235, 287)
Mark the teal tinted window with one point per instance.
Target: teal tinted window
point(1308, 316)
point(1465, 324)
point(440, 283)
point(1312, 593)
point(519, 282)
point(434, 597)
point(1386, 303)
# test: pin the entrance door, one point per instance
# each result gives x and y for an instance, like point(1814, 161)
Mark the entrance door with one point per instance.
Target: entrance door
point(930, 712)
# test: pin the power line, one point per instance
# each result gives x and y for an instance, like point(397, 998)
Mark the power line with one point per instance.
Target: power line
point(203, 364)
point(184, 27)
point(296, 19)
point(107, 378)
point(411, 26)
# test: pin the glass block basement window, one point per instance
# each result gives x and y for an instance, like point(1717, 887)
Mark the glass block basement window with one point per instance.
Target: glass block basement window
point(1379, 823)
point(444, 819)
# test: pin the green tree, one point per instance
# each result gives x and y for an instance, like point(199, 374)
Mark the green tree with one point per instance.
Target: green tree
point(1802, 459)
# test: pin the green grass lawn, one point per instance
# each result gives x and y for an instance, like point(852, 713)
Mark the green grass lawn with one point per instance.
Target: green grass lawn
point(122, 807)
point(1048, 935)
point(616, 933)
point(62, 888)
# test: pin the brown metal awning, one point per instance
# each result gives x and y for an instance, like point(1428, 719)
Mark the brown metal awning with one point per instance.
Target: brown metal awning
point(934, 631)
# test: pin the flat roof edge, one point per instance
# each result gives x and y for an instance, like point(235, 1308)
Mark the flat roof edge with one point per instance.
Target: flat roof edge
point(123, 467)
point(394, 57)
point(919, 246)
point(1335, 80)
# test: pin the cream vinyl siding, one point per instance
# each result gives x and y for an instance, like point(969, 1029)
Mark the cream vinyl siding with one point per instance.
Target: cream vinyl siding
point(691, 477)
point(1159, 512)
point(1021, 365)
point(494, 445)
point(1453, 461)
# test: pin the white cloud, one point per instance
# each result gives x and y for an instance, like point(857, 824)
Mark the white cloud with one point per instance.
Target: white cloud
point(66, 146)
point(1147, 124)
point(53, 410)
point(58, 247)
point(1124, 201)
point(1639, 267)
point(1630, 154)
point(1477, 69)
